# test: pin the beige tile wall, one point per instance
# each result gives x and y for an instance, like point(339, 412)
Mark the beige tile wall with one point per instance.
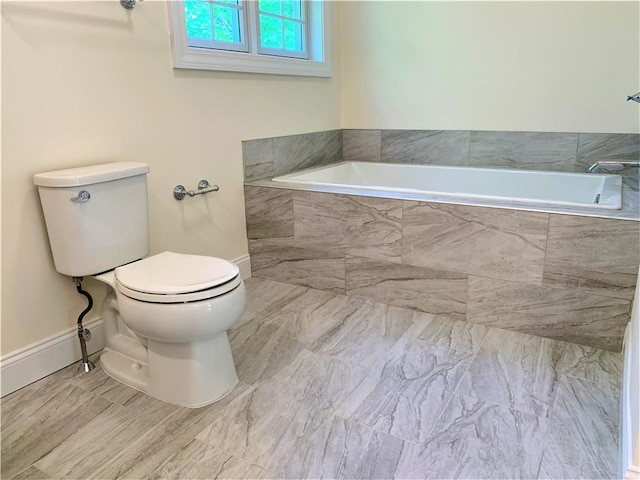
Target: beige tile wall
point(564, 277)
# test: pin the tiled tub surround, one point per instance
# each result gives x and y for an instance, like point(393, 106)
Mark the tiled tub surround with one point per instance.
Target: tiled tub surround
point(566, 152)
point(269, 157)
point(573, 152)
point(539, 272)
point(564, 277)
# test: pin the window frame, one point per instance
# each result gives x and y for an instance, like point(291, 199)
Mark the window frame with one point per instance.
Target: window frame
point(318, 34)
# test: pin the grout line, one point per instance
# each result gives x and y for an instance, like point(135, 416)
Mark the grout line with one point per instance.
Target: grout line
point(546, 249)
point(575, 160)
point(544, 450)
point(551, 410)
point(473, 359)
point(33, 465)
point(377, 430)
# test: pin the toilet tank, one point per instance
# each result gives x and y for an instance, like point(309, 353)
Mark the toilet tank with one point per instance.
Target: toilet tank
point(93, 233)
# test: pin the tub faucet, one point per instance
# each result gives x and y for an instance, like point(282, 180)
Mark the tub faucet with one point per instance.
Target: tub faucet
point(612, 164)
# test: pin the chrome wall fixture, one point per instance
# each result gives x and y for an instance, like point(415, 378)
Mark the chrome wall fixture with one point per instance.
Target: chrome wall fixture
point(129, 4)
point(179, 192)
point(635, 98)
point(612, 165)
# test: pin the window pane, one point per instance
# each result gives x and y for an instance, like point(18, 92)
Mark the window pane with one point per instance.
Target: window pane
point(197, 14)
point(292, 36)
point(270, 32)
point(227, 24)
point(230, 2)
point(270, 6)
point(292, 9)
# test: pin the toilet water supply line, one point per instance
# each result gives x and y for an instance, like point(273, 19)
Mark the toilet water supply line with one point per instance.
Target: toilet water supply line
point(84, 335)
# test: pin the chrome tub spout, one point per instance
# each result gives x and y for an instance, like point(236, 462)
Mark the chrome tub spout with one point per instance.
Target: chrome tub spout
point(612, 165)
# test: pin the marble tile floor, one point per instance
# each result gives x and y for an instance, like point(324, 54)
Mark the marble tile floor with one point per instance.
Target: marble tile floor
point(333, 386)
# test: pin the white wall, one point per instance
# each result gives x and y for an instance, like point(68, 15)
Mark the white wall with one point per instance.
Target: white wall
point(86, 82)
point(529, 66)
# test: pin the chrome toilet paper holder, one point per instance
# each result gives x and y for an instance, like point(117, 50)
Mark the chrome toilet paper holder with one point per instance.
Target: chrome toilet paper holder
point(179, 191)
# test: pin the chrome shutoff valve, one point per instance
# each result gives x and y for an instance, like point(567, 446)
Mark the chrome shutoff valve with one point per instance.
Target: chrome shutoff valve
point(86, 334)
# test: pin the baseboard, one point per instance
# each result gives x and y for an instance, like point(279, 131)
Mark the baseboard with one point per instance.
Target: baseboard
point(33, 362)
point(244, 264)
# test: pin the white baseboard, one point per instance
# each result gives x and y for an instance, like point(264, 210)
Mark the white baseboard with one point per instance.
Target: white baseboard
point(244, 264)
point(33, 362)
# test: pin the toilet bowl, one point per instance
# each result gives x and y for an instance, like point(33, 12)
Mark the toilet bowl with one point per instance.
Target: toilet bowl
point(176, 298)
point(177, 307)
point(166, 315)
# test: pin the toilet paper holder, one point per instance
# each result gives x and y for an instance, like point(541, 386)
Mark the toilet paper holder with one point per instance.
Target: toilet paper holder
point(179, 191)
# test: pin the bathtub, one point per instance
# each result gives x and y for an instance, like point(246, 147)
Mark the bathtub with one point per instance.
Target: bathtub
point(542, 188)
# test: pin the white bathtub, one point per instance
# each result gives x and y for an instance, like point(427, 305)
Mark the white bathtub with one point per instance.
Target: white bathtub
point(470, 183)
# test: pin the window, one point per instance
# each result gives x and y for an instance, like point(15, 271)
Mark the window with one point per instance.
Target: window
point(215, 24)
point(282, 28)
point(264, 36)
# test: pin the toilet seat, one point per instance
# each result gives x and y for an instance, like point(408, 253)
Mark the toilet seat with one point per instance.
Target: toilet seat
point(177, 278)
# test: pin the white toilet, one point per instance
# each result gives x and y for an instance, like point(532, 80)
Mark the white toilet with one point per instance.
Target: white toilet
point(165, 316)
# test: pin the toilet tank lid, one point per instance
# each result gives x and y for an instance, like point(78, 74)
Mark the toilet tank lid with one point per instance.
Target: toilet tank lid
point(104, 172)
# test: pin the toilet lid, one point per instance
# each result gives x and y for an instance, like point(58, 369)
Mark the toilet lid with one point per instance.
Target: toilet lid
point(180, 297)
point(170, 273)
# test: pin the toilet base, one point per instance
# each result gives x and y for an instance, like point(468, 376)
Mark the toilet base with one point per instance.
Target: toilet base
point(190, 375)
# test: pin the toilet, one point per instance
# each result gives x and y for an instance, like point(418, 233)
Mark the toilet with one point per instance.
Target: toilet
point(165, 316)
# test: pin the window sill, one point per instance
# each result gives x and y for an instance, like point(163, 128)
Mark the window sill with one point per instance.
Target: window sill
point(206, 59)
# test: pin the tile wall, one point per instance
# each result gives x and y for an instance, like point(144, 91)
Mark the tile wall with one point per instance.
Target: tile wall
point(270, 157)
point(531, 150)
